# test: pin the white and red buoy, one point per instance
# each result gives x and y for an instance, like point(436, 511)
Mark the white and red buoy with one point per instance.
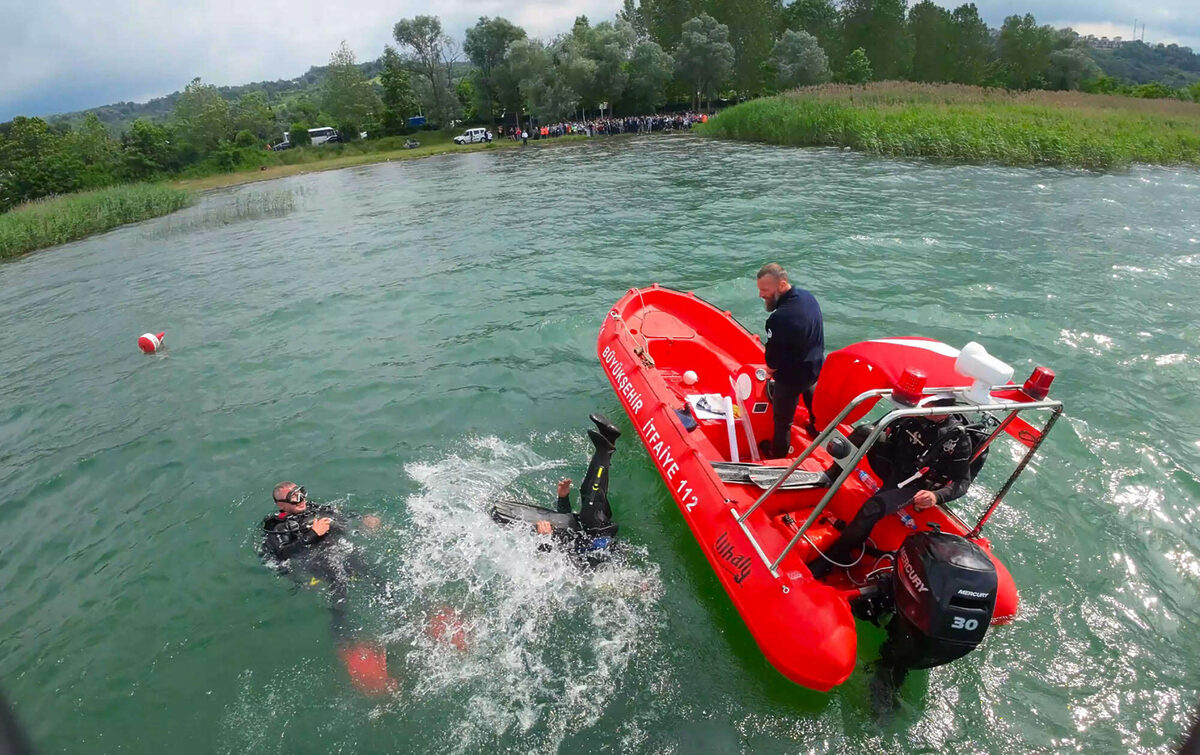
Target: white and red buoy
point(150, 343)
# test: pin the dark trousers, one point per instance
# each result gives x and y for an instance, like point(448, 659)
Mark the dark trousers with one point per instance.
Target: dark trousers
point(595, 514)
point(785, 398)
point(887, 501)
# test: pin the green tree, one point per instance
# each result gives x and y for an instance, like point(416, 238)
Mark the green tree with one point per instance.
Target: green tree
point(99, 153)
point(799, 60)
point(817, 17)
point(595, 60)
point(201, 116)
point(650, 71)
point(433, 53)
point(858, 67)
point(970, 44)
point(298, 135)
point(753, 25)
point(632, 15)
point(399, 99)
point(35, 162)
point(146, 150)
point(348, 97)
point(1024, 51)
point(664, 19)
point(704, 57)
point(464, 90)
point(1194, 91)
point(486, 44)
point(251, 113)
point(1155, 90)
point(1069, 68)
point(542, 84)
point(933, 54)
point(879, 27)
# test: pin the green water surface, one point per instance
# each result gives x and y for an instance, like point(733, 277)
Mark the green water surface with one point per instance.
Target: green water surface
point(417, 338)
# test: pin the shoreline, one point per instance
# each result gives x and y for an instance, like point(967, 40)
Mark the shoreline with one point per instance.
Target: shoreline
point(237, 178)
point(54, 221)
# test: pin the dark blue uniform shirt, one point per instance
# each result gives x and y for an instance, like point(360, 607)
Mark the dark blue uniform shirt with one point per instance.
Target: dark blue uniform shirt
point(796, 338)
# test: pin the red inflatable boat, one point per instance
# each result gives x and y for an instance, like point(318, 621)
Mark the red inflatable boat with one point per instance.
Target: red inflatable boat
point(694, 384)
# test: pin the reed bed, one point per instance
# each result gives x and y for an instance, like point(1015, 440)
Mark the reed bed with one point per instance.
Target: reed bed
point(58, 220)
point(972, 124)
point(246, 206)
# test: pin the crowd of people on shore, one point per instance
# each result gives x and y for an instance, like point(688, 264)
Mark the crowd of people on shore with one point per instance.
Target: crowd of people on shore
point(639, 124)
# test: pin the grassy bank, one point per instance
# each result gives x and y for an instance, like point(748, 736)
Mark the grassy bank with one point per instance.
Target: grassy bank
point(972, 124)
point(57, 220)
point(269, 165)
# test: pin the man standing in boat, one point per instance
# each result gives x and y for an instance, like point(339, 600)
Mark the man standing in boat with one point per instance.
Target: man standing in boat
point(795, 349)
point(924, 461)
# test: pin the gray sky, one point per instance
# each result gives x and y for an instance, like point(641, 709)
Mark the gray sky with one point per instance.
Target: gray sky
point(63, 55)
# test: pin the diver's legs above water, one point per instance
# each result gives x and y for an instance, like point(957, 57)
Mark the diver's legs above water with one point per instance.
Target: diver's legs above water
point(606, 428)
point(596, 477)
point(595, 514)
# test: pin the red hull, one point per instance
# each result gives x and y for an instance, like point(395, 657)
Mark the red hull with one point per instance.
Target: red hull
point(803, 626)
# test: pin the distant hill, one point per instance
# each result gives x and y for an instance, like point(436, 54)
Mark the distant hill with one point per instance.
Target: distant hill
point(118, 116)
point(1141, 63)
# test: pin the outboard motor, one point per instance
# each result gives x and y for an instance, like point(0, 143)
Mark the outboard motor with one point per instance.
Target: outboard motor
point(945, 593)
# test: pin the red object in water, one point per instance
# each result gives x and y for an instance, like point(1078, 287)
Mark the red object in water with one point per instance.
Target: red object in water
point(150, 343)
point(803, 625)
point(367, 666)
point(447, 627)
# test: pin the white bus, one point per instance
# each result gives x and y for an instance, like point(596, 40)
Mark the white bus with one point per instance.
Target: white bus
point(317, 135)
point(322, 135)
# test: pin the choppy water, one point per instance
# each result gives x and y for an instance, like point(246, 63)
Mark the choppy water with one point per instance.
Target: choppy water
point(416, 338)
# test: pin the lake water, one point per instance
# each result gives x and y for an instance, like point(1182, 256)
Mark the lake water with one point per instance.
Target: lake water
point(416, 338)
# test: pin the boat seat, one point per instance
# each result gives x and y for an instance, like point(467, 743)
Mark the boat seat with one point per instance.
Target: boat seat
point(657, 324)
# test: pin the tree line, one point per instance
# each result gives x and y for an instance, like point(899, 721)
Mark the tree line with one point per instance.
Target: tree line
point(652, 53)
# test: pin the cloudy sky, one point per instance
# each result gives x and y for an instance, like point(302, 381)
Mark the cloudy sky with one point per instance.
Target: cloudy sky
point(63, 55)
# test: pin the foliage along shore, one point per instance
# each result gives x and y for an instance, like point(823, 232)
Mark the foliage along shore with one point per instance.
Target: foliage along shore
point(58, 220)
point(972, 124)
point(70, 217)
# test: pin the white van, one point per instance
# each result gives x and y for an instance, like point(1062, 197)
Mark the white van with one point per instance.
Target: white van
point(473, 135)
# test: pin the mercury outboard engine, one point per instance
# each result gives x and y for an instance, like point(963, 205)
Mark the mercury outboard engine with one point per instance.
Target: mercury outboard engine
point(945, 593)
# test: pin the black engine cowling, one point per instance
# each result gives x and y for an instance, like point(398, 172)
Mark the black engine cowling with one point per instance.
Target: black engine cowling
point(945, 593)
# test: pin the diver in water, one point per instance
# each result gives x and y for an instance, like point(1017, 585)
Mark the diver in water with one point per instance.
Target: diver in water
point(591, 532)
point(302, 538)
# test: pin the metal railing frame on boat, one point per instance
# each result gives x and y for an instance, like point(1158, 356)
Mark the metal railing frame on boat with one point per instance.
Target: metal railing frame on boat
point(1012, 407)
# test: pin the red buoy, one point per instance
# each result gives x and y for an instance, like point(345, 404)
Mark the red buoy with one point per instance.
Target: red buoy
point(149, 342)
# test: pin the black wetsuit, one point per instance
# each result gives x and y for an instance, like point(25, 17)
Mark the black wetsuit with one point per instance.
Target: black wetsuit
point(290, 540)
point(597, 530)
point(795, 350)
point(912, 444)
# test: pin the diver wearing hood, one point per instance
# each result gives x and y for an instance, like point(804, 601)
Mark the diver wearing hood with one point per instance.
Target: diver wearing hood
point(301, 538)
point(591, 531)
point(924, 461)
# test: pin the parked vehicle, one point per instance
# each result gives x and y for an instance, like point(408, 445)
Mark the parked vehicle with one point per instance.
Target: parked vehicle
point(411, 144)
point(323, 134)
point(473, 136)
point(281, 146)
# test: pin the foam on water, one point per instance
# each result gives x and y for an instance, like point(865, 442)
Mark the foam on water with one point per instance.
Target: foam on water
point(548, 643)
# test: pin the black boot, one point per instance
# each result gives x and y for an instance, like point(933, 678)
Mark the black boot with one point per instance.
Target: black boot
point(606, 428)
point(599, 441)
